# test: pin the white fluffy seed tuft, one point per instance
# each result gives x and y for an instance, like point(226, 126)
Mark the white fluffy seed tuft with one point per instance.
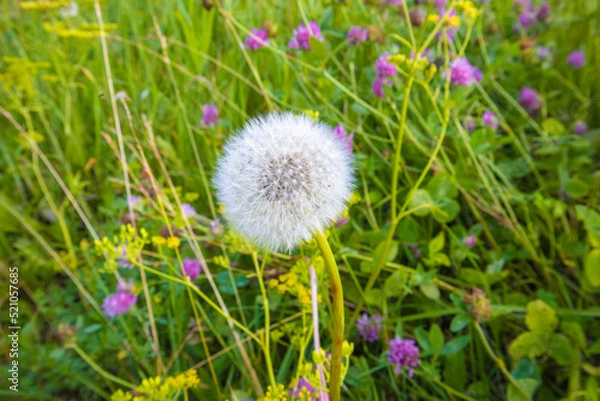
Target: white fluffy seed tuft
point(283, 178)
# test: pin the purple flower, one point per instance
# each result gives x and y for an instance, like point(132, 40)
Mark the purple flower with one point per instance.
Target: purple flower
point(192, 268)
point(543, 52)
point(378, 86)
point(121, 301)
point(463, 73)
point(257, 39)
point(469, 241)
point(210, 115)
point(302, 34)
point(341, 222)
point(543, 14)
point(302, 384)
point(188, 211)
point(470, 123)
point(489, 118)
point(439, 3)
point(123, 260)
point(527, 17)
point(576, 59)
point(448, 30)
point(133, 200)
point(393, 2)
point(369, 328)
point(522, 2)
point(403, 353)
point(383, 68)
point(340, 135)
point(216, 228)
point(356, 35)
point(580, 128)
point(528, 100)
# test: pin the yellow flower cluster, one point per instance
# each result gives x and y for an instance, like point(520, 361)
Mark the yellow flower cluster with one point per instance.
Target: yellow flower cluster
point(237, 243)
point(43, 5)
point(19, 73)
point(85, 31)
point(297, 281)
point(126, 240)
point(312, 114)
point(277, 394)
point(449, 21)
point(154, 389)
point(468, 8)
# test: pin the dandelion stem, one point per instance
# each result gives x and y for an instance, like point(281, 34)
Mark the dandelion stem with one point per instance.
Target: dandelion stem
point(337, 295)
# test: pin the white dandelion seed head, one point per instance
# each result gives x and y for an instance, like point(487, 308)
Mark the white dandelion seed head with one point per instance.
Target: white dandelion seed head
point(283, 178)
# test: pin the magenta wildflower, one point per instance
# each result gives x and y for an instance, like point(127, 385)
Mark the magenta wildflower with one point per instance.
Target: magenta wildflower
point(576, 59)
point(341, 221)
point(302, 384)
point(528, 99)
point(470, 123)
point(448, 30)
point(383, 68)
point(302, 34)
point(369, 328)
point(192, 268)
point(469, 241)
point(346, 139)
point(257, 39)
point(580, 128)
point(403, 353)
point(393, 2)
point(356, 35)
point(543, 14)
point(133, 200)
point(123, 260)
point(210, 115)
point(463, 73)
point(188, 211)
point(121, 301)
point(489, 118)
point(527, 17)
point(216, 228)
point(543, 52)
point(439, 3)
point(378, 86)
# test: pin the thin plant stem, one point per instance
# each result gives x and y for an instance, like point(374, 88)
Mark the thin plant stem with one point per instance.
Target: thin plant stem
point(337, 295)
point(98, 369)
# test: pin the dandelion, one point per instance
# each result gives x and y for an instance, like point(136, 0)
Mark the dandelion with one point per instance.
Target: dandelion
point(188, 211)
point(282, 179)
point(403, 353)
point(378, 86)
point(528, 100)
point(469, 241)
point(576, 59)
point(346, 139)
point(210, 114)
point(191, 268)
point(383, 68)
point(489, 118)
point(580, 128)
point(302, 35)
point(257, 39)
point(463, 73)
point(356, 35)
point(369, 328)
point(121, 301)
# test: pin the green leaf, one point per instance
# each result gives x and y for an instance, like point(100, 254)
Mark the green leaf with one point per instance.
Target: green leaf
point(553, 127)
point(318, 48)
point(574, 331)
point(394, 284)
point(455, 371)
point(421, 198)
point(374, 297)
point(422, 338)
point(459, 322)
point(577, 188)
point(431, 290)
point(445, 210)
point(591, 269)
point(541, 318)
point(455, 345)
point(591, 221)
point(527, 344)
point(442, 186)
point(528, 386)
point(391, 253)
point(436, 339)
point(436, 244)
point(560, 349)
point(408, 230)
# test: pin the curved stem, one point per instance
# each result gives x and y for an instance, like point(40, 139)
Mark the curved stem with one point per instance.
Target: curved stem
point(337, 296)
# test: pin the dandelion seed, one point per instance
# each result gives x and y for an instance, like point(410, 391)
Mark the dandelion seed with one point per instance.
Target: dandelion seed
point(403, 353)
point(302, 35)
point(282, 179)
point(489, 118)
point(257, 39)
point(369, 328)
point(576, 59)
point(357, 35)
point(210, 115)
point(121, 301)
point(192, 268)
